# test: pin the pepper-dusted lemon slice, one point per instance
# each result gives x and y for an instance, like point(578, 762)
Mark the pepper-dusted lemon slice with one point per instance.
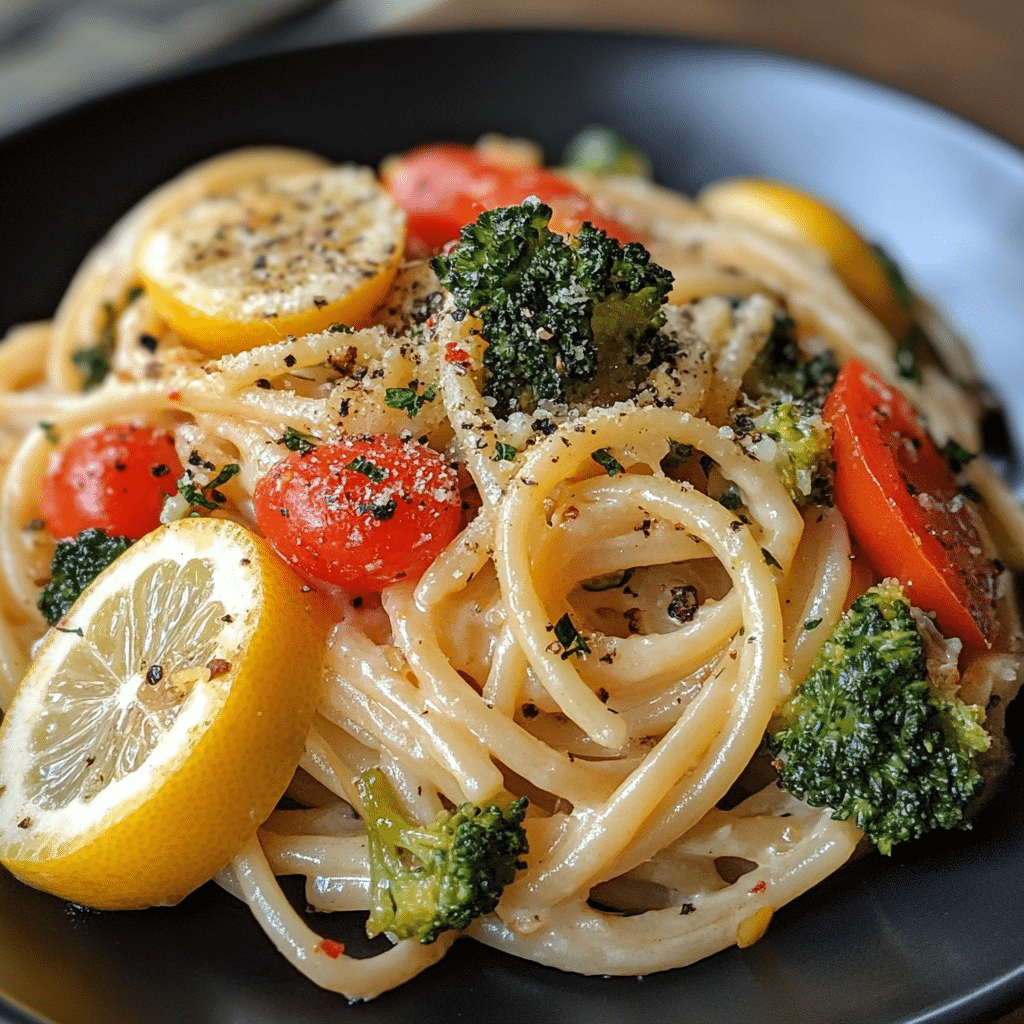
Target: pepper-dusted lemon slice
point(284, 255)
point(785, 210)
point(161, 719)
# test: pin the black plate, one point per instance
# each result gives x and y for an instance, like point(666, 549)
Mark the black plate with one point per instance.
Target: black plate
point(935, 933)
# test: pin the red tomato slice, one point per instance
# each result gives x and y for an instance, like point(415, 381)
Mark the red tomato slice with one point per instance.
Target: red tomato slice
point(114, 479)
point(443, 186)
point(903, 506)
point(362, 512)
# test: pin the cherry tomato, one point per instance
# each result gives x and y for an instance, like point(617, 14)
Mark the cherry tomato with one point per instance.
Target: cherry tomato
point(114, 479)
point(443, 186)
point(362, 512)
point(902, 504)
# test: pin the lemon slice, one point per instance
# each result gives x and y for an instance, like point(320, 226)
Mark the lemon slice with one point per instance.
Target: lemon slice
point(287, 254)
point(783, 210)
point(161, 720)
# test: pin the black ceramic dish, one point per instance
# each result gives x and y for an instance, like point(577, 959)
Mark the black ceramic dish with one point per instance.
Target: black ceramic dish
point(935, 933)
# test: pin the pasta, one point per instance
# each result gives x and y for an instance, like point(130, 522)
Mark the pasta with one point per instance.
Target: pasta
point(657, 834)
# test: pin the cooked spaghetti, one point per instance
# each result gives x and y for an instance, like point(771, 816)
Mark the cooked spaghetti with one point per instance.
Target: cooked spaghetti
point(632, 593)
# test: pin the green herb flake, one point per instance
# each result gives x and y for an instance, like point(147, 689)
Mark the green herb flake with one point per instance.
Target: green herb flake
point(50, 431)
point(956, 455)
point(569, 638)
point(206, 495)
point(93, 363)
point(361, 464)
point(906, 364)
point(770, 559)
point(608, 581)
point(731, 498)
point(407, 400)
point(504, 452)
point(296, 441)
point(607, 461)
point(812, 623)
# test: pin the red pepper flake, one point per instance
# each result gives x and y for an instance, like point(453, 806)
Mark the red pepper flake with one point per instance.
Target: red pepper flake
point(174, 396)
point(218, 667)
point(759, 888)
point(331, 948)
point(454, 354)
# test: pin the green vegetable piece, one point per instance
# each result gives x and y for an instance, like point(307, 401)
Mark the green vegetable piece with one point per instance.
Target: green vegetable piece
point(803, 450)
point(429, 879)
point(597, 148)
point(76, 563)
point(871, 737)
point(780, 371)
point(555, 311)
point(504, 452)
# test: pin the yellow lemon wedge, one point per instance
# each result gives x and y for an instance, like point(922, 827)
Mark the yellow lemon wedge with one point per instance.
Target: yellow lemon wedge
point(286, 254)
point(161, 720)
point(784, 210)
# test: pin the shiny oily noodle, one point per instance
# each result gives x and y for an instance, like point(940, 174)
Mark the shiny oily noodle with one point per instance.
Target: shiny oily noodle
point(452, 683)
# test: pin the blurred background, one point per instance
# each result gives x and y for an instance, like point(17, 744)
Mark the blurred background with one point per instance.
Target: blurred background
point(965, 56)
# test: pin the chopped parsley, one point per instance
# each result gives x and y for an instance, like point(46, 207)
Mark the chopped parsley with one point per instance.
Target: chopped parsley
point(296, 441)
point(196, 494)
point(609, 581)
point(361, 464)
point(731, 498)
point(607, 461)
point(407, 399)
point(504, 452)
point(570, 638)
point(955, 454)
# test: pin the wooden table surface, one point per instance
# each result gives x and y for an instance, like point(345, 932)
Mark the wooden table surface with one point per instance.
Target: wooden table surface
point(965, 55)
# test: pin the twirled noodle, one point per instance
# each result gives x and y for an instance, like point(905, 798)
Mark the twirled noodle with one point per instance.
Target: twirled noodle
point(656, 836)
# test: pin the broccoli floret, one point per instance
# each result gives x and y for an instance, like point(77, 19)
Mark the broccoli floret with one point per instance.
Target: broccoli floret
point(556, 311)
point(604, 151)
point(802, 454)
point(781, 371)
point(869, 736)
point(76, 563)
point(428, 879)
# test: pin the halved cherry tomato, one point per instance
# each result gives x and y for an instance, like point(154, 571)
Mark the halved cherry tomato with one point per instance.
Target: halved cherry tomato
point(443, 186)
point(114, 479)
point(362, 512)
point(903, 506)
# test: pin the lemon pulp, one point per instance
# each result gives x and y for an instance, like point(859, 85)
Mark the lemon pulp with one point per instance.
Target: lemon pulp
point(161, 720)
